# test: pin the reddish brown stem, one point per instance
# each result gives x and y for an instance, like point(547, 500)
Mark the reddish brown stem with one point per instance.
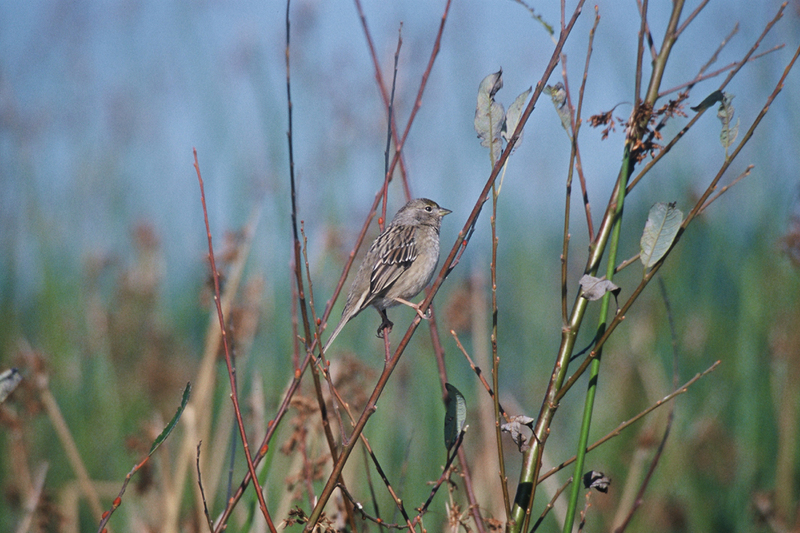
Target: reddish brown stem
point(231, 373)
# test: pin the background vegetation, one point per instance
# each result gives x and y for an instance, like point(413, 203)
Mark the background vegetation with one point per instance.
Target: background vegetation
point(105, 301)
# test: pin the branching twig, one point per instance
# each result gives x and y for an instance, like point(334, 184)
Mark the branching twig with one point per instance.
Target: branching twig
point(389, 124)
point(479, 373)
point(551, 504)
point(385, 97)
point(618, 430)
point(717, 72)
point(692, 214)
point(646, 481)
point(202, 491)
point(231, 377)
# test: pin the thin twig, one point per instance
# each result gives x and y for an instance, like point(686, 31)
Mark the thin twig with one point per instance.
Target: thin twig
point(228, 363)
point(618, 430)
point(719, 49)
point(360, 508)
point(475, 368)
point(627, 262)
point(106, 515)
point(663, 152)
point(385, 97)
point(551, 504)
point(446, 473)
point(724, 189)
point(495, 355)
point(371, 453)
point(650, 42)
point(202, 491)
point(637, 97)
point(575, 124)
point(717, 72)
point(298, 269)
point(651, 470)
point(690, 18)
point(389, 125)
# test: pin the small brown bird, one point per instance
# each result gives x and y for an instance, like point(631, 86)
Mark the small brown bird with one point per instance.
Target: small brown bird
point(398, 264)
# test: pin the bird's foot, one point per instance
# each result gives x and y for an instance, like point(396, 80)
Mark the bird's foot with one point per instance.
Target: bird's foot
point(416, 307)
point(386, 325)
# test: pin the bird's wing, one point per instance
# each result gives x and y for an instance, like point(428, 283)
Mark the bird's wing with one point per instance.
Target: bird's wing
point(396, 249)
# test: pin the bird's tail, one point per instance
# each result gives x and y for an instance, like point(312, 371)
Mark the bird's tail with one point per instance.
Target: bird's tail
point(336, 331)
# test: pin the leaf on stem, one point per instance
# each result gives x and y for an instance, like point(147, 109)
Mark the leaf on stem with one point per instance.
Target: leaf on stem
point(725, 114)
point(455, 416)
point(489, 114)
point(172, 423)
point(596, 480)
point(708, 101)
point(515, 428)
point(513, 115)
point(558, 95)
point(663, 223)
point(594, 288)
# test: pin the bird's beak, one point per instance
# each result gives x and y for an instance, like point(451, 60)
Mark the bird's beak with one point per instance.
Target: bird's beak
point(443, 211)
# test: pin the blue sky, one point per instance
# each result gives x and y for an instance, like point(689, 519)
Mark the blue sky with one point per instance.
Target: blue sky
point(103, 101)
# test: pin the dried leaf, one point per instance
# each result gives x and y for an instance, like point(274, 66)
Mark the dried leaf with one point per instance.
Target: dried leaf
point(490, 115)
point(455, 416)
point(558, 95)
point(513, 115)
point(594, 288)
point(663, 223)
point(725, 114)
point(515, 428)
point(596, 480)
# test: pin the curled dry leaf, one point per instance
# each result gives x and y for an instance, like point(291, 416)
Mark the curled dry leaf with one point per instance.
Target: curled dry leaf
point(596, 480)
point(594, 288)
point(515, 428)
point(558, 95)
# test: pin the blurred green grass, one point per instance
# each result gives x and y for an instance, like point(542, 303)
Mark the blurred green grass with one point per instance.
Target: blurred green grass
point(730, 303)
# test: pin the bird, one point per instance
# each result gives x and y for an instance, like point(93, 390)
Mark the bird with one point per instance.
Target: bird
point(400, 262)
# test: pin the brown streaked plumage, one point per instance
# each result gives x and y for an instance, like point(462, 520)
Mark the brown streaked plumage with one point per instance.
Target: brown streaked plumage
point(398, 264)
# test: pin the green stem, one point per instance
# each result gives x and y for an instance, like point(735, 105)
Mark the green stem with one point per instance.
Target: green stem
point(594, 371)
point(625, 173)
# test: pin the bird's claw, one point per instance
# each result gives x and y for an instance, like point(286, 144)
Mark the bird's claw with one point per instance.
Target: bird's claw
point(385, 325)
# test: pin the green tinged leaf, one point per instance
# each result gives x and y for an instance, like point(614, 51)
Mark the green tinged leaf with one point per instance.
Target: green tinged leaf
point(513, 115)
point(167, 430)
point(558, 95)
point(709, 100)
point(455, 416)
point(663, 223)
point(490, 115)
point(725, 114)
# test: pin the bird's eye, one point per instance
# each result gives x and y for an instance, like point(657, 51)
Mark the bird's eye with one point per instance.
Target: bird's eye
point(428, 209)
